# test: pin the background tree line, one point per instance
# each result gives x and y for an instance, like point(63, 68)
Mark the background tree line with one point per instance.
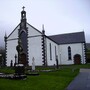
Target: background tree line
point(2, 56)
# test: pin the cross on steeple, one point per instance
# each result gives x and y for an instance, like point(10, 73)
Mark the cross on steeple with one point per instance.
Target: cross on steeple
point(23, 8)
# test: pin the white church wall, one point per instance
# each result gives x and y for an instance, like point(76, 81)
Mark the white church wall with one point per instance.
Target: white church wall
point(14, 34)
point(34, 46)
point(11, 51)
point(32, 31)
point(76, 48)
point(51, 59)
point(35, 50)
point(83, 53)
point(12, 42)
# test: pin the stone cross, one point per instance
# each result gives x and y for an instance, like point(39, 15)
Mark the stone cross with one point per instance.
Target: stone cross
point(33, 64)
point(16, 60)
point(23, 8)
point(57, 62)
point(11, 64)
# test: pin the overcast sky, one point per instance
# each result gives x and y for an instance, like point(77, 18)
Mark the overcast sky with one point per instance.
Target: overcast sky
point(58, 16)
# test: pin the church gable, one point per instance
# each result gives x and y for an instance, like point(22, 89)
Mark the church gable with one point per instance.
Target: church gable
point(14, 33)
point(33, 32)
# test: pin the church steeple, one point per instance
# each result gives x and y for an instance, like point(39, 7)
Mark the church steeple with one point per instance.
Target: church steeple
point(23, 18)
point(22, 39)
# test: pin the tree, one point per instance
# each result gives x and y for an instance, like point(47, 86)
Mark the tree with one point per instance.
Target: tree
point(2, 56)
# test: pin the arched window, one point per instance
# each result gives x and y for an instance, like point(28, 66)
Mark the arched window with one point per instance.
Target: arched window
point(50, 52)
point(55, 53)
point(69, 53)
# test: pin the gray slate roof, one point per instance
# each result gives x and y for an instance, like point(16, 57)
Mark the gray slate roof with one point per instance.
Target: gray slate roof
point(77, 37)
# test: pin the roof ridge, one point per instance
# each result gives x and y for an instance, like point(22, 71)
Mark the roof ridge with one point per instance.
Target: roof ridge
point(67, 33)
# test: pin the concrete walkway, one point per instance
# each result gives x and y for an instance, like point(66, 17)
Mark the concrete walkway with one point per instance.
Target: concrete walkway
point(81, 82)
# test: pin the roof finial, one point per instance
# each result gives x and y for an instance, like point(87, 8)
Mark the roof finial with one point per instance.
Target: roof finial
point(43, 31)
point(43, 27)
point(23, 8)
point(5, 34)
point(5, 37)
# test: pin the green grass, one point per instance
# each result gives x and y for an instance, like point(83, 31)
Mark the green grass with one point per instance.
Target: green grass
point(56, 80)
point(7, 70)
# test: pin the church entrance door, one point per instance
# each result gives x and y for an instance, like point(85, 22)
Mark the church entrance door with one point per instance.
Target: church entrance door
point(77, 59)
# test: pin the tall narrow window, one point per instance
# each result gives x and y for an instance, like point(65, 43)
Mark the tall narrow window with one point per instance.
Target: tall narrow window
point(55, 53)
point(69, 53)
point(50, 52)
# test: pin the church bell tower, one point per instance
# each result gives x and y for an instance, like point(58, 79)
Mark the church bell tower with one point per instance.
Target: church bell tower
point(23, 19)
point(23, 41)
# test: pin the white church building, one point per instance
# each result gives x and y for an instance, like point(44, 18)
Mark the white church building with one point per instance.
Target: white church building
point(66, 48)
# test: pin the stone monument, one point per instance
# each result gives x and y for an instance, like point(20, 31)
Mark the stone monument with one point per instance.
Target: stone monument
point(33, 64)
point(57, 66)
point(19, 67)
point(11, 64)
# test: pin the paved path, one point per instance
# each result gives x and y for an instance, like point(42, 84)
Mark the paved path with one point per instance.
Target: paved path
point(81, 82)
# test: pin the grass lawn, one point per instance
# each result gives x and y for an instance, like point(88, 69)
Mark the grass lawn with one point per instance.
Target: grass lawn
point(56, 80)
